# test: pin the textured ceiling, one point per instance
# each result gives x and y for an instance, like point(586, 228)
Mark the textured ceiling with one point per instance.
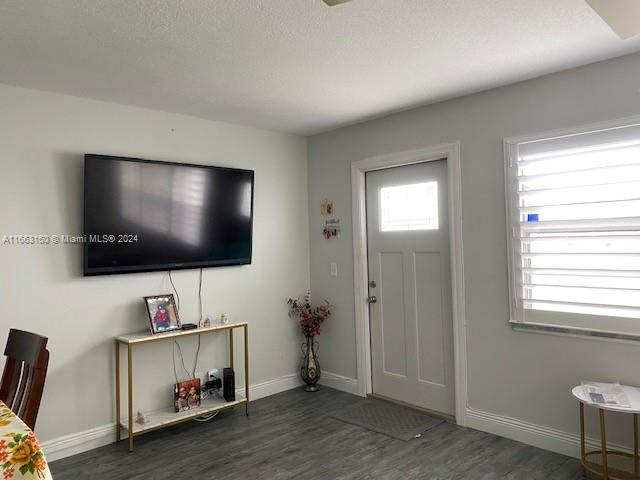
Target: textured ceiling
point(293, 65)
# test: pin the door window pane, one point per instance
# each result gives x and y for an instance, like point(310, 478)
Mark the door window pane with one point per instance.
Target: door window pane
point(409, 207)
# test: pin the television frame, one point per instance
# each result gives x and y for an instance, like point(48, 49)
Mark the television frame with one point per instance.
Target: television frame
point(89, 272)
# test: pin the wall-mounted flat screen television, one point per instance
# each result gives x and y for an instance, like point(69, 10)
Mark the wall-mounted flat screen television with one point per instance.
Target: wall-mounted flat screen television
point(145, 215)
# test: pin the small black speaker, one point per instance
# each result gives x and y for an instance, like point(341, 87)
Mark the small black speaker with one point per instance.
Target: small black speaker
point(228, 384)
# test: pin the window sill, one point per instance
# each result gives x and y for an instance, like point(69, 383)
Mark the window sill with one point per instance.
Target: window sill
point(562, 330)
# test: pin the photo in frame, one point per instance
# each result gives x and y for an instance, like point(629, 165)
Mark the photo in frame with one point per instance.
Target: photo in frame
point(186, 395)
point(163, 314)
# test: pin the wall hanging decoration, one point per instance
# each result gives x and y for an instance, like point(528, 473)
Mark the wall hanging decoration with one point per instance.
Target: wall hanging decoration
point(326, 208)
point(331, 228)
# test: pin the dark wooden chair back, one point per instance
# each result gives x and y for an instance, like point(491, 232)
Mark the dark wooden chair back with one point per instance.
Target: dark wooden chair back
point(24, 373)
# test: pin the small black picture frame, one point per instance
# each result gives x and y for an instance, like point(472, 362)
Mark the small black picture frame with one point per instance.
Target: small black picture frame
point(163, 313)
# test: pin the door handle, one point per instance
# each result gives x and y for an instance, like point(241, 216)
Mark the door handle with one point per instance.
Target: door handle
point(372, 299)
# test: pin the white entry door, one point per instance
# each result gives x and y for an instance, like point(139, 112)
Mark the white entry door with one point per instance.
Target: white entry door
point(410, 285)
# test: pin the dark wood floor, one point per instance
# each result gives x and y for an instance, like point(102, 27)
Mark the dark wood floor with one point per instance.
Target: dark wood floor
point(290, 435)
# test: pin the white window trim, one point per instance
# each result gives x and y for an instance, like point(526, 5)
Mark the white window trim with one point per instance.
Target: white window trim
point(510, 147)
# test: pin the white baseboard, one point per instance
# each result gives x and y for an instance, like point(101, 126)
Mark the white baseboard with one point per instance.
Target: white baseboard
point(539, 436)
point(271, 387)
point(340, 382)
point(75, 443)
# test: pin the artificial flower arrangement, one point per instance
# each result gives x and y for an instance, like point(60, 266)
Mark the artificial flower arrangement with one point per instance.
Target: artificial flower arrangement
point(309, 317)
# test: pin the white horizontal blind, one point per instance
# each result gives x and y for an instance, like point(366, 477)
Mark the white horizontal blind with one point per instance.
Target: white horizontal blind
point(575, 224)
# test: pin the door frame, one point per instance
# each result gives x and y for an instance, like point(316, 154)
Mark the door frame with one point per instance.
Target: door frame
point(451, 153)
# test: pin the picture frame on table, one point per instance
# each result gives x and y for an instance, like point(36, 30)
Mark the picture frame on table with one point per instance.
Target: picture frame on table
point(187, 395)
point(163, 313)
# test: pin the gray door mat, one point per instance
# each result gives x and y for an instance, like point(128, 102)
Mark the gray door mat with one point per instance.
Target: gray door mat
point(388, 418)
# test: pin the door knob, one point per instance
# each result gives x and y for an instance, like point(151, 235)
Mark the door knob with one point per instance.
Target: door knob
point(372, 299)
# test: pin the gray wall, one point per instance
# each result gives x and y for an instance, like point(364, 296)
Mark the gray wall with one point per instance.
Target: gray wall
point(526, 376)
point(43, 137)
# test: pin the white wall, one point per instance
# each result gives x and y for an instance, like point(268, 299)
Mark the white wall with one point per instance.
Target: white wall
point(43, 137)
point(523, 376)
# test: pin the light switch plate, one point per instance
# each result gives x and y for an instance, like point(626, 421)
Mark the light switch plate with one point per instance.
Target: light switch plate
point(334, 269)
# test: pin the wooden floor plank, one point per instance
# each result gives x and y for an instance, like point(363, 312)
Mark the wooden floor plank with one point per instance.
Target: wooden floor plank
point(290, 435)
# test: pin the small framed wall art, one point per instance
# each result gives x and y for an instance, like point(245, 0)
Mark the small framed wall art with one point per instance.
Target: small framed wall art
point(326, 208)
point(163, 314)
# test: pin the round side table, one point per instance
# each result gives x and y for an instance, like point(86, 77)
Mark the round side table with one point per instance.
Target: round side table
point(604, 471)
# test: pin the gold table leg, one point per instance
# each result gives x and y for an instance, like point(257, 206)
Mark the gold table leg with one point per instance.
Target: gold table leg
point(583, 456)
point(117, 391)
point(635, 445)
point(604, 473)
point(246, 370)
point(231, 348)
point(603, 446)
point(130, 393)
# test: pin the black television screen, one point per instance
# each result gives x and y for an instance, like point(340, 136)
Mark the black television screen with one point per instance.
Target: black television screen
point(144, 215)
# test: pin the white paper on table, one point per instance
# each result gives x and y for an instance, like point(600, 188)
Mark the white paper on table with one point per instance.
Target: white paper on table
point(606, 394)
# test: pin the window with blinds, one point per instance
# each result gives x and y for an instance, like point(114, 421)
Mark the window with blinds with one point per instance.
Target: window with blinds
point(574, 211)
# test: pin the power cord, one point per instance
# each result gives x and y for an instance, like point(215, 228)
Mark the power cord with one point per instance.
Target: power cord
point(176, 292)
point(200, 296)
point(175, 372)
point(195, 360)
point(175, 342)
point(204, 418)
point(212, 392)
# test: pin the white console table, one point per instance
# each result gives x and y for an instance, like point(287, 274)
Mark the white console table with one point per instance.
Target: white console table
point(164, 418)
